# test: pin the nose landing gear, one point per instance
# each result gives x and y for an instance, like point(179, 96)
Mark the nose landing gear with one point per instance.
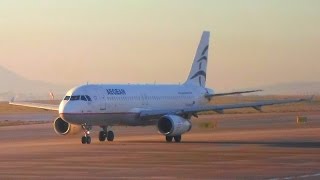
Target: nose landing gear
point(86, 139)
point(106, 134)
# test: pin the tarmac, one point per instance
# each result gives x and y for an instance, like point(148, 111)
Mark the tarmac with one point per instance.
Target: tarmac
point(240, 146)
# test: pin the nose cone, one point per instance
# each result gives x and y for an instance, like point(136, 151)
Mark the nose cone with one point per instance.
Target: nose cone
point(62, 107)
point(67, 111)
point(67, 107)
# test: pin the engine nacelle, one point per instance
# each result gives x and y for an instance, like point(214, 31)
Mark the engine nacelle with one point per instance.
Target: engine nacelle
point(62, 127)
point(172, 125)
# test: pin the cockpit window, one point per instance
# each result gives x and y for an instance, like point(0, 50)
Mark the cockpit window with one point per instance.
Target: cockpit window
point(88, 97)
point(79, 97)
point(83, 98)
point(74, 98)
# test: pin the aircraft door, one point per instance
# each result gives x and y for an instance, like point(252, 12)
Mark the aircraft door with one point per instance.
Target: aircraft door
point(103, 103)
point(144, 99)
point(109, 104)
point(101, 100)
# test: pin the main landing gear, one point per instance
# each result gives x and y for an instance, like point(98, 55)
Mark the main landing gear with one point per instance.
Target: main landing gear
point(86, 139)
point(105, 134)
point(177, 139)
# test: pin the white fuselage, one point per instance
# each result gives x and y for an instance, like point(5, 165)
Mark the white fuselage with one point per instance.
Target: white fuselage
point(121, 104)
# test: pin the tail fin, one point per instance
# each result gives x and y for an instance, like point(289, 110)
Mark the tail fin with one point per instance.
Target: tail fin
point(198, 72)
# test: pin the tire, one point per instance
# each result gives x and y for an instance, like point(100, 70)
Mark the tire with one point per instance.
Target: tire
point(88, 139)
point(177, 138)
point(110, 136)
point(84, 140)
point(102, 136)
point(169, 138)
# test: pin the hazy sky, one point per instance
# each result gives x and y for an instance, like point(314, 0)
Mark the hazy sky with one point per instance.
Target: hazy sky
point(253, 42)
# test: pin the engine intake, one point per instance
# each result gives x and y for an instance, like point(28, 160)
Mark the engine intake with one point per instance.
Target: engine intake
point(172, 125)
point(62, 127)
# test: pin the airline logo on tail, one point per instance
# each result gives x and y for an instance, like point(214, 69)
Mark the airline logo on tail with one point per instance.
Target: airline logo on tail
point(198, 74)
point(201, 72)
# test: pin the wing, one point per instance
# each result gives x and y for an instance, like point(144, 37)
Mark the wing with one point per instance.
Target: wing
point(53, 107)
point(148, 114)
point(231, 93)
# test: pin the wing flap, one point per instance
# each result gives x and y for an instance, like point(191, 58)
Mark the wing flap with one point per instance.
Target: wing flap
point(231, 93)
point(219, 108)
point(256, 105)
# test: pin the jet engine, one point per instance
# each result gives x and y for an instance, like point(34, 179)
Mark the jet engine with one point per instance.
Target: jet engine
point(62, 127)
point(173, 125)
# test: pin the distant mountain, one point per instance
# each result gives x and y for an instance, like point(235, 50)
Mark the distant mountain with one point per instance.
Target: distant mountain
point(13, 84)
point(294, 88)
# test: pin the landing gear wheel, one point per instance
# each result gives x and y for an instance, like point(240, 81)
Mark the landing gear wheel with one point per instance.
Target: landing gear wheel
point(169, 138)
point(110, 136)
point(177, 138)
point(86, 140)
point(102, 136)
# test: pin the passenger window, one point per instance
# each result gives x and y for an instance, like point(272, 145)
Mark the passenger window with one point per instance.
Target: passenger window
point(67, 98)
point(83, 98)
point(74, 98)
point(88, 97)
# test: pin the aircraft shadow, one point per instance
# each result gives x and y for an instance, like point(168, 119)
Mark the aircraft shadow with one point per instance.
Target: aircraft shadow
point(283, 144)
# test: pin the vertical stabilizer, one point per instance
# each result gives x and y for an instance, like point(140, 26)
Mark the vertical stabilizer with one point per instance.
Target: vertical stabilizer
point(198, 72)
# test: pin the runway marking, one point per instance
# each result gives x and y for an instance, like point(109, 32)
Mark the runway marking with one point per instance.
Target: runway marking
point(295, 177)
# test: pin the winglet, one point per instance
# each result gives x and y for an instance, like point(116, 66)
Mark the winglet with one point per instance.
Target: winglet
point(12, 99)
point(310, 99)
point(258, 108)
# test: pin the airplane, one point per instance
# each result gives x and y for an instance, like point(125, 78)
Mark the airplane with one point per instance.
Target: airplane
point(169, 107)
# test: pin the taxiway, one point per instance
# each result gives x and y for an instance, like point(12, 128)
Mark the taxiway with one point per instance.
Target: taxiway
point(242, 146)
